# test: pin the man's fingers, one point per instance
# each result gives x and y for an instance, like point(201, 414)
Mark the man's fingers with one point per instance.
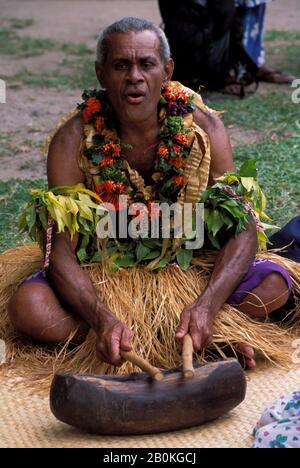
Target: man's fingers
point(108, 357)
point(183, 327)
point(110, 343)
point(196, 339)
point(115, 347)
point(125, 344)
point(201, 338)
point(121, 338)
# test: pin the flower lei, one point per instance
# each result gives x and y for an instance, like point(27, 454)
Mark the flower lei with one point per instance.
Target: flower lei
point(229, 204)
point(106, 149)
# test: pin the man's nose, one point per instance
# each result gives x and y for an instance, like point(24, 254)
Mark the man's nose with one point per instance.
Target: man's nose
point(134, 74)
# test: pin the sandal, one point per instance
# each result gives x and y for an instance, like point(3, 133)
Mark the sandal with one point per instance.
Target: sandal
point(239, 82)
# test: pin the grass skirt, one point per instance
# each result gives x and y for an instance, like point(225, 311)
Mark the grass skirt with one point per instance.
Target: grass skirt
point(150, 303)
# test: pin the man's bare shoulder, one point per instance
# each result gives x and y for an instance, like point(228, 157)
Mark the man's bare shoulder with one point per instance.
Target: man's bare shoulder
point(208, 121)
point(69, 133)
point(62, 164)
point(221, 151)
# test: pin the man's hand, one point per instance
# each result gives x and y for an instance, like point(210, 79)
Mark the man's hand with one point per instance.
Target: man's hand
point(112, 338)
point(196, 320)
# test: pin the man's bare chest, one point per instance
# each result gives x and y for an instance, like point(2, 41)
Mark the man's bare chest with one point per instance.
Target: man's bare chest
point(142, 160)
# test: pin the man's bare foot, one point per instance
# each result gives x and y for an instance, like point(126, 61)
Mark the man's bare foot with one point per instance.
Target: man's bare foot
point(248, 352)
point(265, 73)
point(236, 89)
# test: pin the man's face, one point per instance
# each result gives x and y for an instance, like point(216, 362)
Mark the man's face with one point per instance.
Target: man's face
point(133, 75)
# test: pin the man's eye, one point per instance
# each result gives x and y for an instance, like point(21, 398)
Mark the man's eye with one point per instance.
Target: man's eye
point(148, 64)
point(120, 66)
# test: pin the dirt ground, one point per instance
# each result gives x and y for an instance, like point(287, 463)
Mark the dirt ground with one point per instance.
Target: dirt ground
point(31, 112)
point(80, 20)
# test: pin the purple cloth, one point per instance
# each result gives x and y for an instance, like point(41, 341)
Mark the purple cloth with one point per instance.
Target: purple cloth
point(257, 272)
point(38, 277)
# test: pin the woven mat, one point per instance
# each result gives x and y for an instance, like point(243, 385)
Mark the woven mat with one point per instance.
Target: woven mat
point(26, 420)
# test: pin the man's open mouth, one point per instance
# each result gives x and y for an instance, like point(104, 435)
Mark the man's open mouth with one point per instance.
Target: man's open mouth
point(135, 97)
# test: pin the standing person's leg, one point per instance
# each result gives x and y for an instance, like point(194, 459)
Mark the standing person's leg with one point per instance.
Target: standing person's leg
point(199, 34)
point(253, 34)
point(253, 41)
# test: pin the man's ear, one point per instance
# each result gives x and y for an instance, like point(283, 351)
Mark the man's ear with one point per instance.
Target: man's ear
point(99, 73)
point(168, 69)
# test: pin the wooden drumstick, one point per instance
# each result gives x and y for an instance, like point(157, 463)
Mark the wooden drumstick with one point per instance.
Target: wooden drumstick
point(187, 357)
point(145, 366)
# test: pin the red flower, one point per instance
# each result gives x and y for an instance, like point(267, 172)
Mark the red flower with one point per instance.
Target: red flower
point(178, 179)
point(111, 149)
point(182, 95)
point(110, 187)
point(92, 106)
point(177, 149)
point(109, 192)
point(180, 139)
point(168, 94)
point(107, 161)
point(86, 115)
point(163, 151)
point(177, 162)
point(175, 93)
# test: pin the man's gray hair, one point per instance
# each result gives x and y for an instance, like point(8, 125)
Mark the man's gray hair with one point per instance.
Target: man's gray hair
point(130, 24)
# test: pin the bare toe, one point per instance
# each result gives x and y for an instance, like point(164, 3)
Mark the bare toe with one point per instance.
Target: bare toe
point(248, 352)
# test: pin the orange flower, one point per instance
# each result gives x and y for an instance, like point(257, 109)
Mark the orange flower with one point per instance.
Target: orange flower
point(99, 123)
point(86, 115)
point(93, 106)
point(168, 93)
point(116, 150)
point(180, 139)
point(110, 192)
point(174, 93)
point(110, 187)
point(177, 162)
point(169, 96)
point(180, 94)
point(178, 179)
point(107, 161)
point(163, 151)
point(177, 149)
point(111, 149)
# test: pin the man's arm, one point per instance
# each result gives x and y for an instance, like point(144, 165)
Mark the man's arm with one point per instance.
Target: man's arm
point(234, 259)
point(220, 147)
point(69, 281)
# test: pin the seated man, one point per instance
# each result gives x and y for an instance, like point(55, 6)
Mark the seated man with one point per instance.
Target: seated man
point(133, 66)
